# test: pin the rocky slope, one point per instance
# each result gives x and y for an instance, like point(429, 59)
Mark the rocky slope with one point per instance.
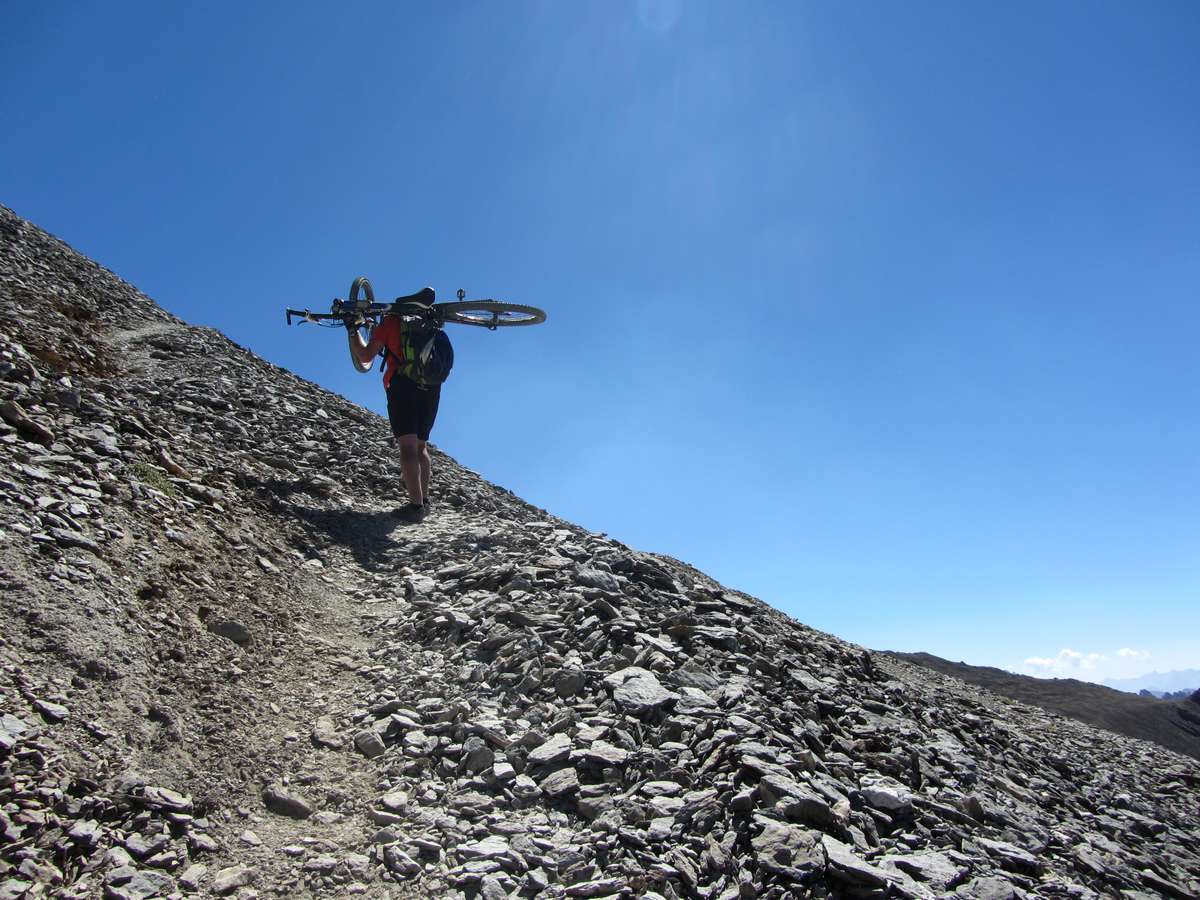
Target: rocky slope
point(1174, 723)
point(225, 670)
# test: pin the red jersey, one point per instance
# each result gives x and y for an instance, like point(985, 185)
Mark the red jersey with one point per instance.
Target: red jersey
point(390, 333)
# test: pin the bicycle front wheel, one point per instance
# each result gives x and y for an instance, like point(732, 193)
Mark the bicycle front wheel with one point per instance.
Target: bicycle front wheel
point(361, 285)
point(490, 313)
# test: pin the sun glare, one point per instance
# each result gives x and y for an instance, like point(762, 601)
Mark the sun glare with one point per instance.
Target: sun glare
point(659, 15)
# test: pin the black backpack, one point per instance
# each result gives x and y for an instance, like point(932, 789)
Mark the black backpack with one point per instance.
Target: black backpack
point(426, 355)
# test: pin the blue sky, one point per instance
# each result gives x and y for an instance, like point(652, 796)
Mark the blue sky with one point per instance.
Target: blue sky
point(885, 313)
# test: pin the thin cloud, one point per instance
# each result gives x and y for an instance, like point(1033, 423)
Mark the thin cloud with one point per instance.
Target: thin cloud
point(1067, 661)
point(1040, 662)
point(1129, 653)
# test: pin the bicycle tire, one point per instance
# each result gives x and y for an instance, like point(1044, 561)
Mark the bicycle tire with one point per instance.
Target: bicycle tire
point(490, 314)
point(361, 283)
point(364, 284)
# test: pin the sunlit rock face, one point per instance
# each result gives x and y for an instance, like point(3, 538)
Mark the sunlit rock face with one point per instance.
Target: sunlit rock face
point(227, 669)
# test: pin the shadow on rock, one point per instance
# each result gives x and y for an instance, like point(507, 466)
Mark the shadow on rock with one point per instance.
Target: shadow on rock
point(367, 535)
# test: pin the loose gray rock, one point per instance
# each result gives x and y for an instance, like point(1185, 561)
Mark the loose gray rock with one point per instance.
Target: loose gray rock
point(230, 879)
point(369, 743)
point(800, 803)
point(1012, 857)
point(605, 754)
point(146, 884)
point(86, 833)
point(929, 866)
point(477, 755)
point(193, 876)
point(886, 794)
point(638, 690)
point(12, 413)
point(990, 888)
point(325, 734)
point(594, 578)
point(846, 866)
point(11, 729)
point(560, 783)
point(68, 538)
point(396, 801)
point(790, 851)
point(230, 629)
point(494, 847)
point(51, 712)
point(569, 682)
point(604, 887)
point(555, 750)
point(399, 862)
point(490, 888)
point(281, 801)
point(165, 800)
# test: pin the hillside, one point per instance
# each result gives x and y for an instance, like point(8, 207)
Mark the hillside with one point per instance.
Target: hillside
point(1175, 724)
point(1179, 695)
point(225, 670)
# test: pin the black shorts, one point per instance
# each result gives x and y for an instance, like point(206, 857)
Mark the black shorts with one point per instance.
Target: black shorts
point(412, 408)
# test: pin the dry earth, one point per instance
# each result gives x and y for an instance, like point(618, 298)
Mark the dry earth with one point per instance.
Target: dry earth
point(225, 673)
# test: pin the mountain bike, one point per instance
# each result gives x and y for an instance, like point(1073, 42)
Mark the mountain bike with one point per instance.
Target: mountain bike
point(359, 311)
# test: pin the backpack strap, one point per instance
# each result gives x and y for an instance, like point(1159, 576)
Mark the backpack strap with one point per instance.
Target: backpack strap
point(387, 351)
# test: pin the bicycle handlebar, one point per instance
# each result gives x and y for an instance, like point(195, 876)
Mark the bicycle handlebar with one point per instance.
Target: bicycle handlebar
point(369, 314)
point(306, 315)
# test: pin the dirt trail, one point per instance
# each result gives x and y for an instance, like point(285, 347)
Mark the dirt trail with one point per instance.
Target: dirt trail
point(210, 635)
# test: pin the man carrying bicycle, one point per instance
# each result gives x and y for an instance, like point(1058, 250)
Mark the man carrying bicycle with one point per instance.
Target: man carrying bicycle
point(418, 358)
point(412, 405)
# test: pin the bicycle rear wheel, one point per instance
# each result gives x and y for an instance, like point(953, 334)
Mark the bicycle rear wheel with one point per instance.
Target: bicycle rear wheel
point(490, 314)
point(363, 286)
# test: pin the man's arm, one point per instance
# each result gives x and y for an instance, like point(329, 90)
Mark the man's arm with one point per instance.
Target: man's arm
point(365, 352)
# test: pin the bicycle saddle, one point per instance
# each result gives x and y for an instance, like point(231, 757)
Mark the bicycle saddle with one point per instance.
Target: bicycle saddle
point(425, 296)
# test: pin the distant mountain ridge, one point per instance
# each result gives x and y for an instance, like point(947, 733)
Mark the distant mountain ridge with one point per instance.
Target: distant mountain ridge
point(1174, 724)
point(1158, 682)
point(1177, 695)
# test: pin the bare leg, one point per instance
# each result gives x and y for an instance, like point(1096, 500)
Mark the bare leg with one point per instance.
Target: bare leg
point(411, 467)
point(426, 468)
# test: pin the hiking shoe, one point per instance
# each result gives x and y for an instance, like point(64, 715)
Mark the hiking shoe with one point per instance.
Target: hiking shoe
point(412, 512)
